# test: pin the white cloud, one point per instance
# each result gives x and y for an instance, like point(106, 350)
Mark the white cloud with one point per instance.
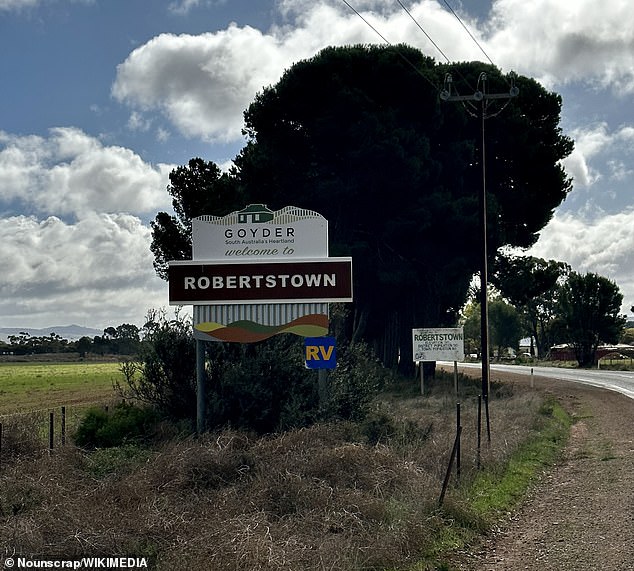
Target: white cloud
point(23, 4)
point(604, 246)
point(17, 4)
point(203, 83)
point(72, 173)
point(97, 271)
point(182, 6)
point(582, 41)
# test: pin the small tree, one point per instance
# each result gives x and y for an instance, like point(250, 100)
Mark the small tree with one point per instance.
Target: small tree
point(165, 374)
point(506, 326)
point(589, 307)
point(532, 285)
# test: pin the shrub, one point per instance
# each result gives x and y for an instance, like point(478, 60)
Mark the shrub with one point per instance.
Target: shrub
point(126, 423)
point(265, 388)
point(165, 375)
point(355, 382)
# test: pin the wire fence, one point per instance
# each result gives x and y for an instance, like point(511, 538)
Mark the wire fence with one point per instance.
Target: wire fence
point(35, 431)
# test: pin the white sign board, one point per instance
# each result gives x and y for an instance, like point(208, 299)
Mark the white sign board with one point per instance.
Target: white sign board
point(258, 233)
point(438, 344)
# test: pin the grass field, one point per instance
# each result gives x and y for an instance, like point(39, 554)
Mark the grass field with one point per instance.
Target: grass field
point(34, 386)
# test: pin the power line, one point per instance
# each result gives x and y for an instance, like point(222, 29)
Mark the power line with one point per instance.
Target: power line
point(403, 57)
point(468, 32)
point(432, 41)
point(422, 30)
point(475, 41)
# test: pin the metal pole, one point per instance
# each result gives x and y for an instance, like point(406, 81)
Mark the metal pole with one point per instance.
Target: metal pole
point(479, 427)
point(322, 380)
point(63, 426)
point(448, 473)
point(482, 96)
point(201, 377)
point(51, 430)
point(484, 298)
point(458, 432)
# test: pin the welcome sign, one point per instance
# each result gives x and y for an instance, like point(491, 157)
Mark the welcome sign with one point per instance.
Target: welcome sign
point(258, 233)
point(238, 297)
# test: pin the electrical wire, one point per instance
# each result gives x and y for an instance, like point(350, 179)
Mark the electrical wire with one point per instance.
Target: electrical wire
point(468, 32)
point(423, 30)
point(446, 2)
point(408, 61)
point(420, 27)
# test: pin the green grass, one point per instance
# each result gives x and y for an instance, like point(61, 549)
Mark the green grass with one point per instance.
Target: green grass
point(32, 386)
point(496, 492)
point(500, 489)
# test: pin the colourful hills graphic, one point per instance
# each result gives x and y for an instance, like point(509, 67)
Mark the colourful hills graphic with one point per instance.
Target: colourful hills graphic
point(314, 325)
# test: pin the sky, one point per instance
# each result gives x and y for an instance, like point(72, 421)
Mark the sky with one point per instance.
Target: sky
point(101, 99)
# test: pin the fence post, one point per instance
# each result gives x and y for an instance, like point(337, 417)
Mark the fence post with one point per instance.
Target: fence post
point(458, 431)
point(63, 426)
point(479, 427)
point(51, 430)
point(448, 474)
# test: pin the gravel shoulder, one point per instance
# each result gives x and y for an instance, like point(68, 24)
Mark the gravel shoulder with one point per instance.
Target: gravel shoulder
point(580, 515)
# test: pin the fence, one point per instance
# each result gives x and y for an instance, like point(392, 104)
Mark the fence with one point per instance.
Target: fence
point(39, 430)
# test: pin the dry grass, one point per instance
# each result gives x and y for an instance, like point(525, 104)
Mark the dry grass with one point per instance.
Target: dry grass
point(330, 497)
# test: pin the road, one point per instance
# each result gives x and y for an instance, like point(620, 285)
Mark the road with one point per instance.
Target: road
point(619, 381)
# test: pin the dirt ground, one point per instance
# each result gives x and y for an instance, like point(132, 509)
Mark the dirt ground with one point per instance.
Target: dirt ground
point(580, 515)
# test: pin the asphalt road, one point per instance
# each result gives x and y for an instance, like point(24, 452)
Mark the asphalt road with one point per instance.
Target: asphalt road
point(619, 381)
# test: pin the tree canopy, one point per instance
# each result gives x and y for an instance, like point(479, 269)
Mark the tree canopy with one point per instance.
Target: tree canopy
point(360, 135)
point(532, 285)
point(590, 306)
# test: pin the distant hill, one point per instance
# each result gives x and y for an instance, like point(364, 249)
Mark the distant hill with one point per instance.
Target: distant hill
point(70, 332)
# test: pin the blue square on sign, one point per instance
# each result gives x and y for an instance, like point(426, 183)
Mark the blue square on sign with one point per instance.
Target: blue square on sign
point(320, 352)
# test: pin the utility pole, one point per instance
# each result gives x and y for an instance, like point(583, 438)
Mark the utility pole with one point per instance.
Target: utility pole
point(481, 96)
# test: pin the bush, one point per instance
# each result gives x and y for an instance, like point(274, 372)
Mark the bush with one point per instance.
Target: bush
point(264, 388)
point(355, 382)
point(165, 375)
point(126, 423)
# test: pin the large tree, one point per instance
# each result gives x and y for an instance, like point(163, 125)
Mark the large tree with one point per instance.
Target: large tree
point(360, 135)
point(532, 285)
point(589, 306)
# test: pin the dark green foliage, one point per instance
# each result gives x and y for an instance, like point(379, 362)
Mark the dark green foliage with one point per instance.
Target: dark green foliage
point(196, 189)
point(589, 307)
point(355, 382)
point(361, 137)
point(126, 423)
point(263, 387)
point(532, 286)
point(165, 375)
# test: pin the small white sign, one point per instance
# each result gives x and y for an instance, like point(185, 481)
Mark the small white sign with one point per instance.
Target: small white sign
point(438, 344)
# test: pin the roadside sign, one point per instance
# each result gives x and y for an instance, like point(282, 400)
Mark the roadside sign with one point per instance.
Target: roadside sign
point(438, 344)
point(320, 352)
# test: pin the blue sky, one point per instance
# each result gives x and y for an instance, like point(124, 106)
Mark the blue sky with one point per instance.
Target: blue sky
point(102, 98)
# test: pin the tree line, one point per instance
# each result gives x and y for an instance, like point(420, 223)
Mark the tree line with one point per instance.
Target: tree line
point(124, 339)
point(550, 304)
